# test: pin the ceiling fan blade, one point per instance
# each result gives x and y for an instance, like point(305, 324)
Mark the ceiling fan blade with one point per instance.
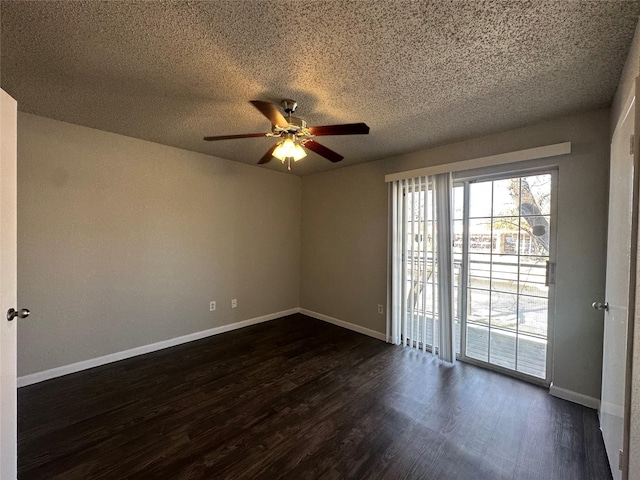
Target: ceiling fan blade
point(266, 158)
point(323, 151)
point(230, 137)
point(270, 111)
point(344, 129)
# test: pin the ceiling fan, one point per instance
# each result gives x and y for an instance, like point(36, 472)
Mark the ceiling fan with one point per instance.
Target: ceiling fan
point(295, 134)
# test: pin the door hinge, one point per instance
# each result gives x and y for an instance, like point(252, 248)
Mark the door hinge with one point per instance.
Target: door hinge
point(550, 274)
point(632, 142)
point(620, 460)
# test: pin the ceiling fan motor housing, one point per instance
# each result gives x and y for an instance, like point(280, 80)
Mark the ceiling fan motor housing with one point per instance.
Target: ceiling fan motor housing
point(296, 125)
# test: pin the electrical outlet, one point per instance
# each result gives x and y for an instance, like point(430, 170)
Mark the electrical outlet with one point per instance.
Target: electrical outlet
point(380, 309)
point(234, 302)
point(212, 306)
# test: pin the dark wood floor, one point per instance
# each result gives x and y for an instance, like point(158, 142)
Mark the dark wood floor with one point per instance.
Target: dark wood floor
point(298, 398)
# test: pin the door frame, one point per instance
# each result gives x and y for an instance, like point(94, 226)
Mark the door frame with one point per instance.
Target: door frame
point(633, 271)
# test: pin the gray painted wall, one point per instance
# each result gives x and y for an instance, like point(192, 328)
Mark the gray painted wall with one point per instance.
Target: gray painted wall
point(344, 237)
point(123, 243)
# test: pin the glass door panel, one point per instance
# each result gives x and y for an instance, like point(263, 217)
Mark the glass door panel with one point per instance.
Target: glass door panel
point(505, 296)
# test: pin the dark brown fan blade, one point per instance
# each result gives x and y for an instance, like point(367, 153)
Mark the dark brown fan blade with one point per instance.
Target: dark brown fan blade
point(270, 111)
point(230, 137)
point(266, 158)
point(345, 129)
point(323, 151)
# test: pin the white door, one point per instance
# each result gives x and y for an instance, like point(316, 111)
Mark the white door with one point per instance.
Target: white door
point(618, 289)
point(8, 419)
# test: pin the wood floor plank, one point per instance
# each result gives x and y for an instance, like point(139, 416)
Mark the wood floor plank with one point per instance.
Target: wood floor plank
point(297, 398)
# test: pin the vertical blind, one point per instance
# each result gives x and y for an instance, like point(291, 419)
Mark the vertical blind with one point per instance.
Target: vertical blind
point(421, 280)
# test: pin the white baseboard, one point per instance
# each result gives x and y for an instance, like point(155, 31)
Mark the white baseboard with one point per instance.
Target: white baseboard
point(114, 357)
point(25, 380)
point(574, 397)
point(343, 324)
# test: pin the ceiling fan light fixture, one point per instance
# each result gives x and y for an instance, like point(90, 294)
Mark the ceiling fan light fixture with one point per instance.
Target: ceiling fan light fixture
point(289, 149)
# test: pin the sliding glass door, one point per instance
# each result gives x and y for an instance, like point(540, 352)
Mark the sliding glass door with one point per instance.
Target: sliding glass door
point(496, 281)
point(504, 245)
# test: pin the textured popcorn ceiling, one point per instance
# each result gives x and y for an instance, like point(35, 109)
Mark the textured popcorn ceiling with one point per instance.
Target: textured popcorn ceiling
point(419, 73)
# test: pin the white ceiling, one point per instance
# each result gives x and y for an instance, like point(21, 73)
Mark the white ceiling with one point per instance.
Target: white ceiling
point(419, 73)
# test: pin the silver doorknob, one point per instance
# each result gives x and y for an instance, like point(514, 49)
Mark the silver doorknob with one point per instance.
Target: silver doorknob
point(600, 306)
point(11, 313)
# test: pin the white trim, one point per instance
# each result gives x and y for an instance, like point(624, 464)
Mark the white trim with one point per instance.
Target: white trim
point(114, 357)
point(500, 159)
point(631, 99)
point(574, 397)
point(343, 324)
